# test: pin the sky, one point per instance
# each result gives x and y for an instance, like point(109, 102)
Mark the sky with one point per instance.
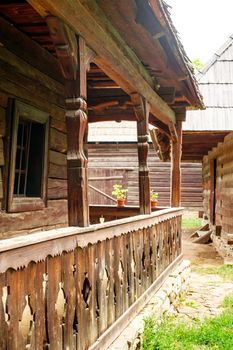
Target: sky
point(203, 25)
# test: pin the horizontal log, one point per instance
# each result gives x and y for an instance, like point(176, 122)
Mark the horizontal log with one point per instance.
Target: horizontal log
point(12, 90)
point(101, 178)
point(31, 52)
point(2, 162)
point(57, 189)
point(29, 70)
point(58, 123)
point(2, 121)
point(3, 99)
point(58, 141)
point(54, 214)
point(57, 171)
point(57, 158)
point(34, 86)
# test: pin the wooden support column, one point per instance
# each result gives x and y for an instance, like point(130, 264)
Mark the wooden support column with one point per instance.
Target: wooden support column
point(176, 152)
point(71, 52)
point(142, 110)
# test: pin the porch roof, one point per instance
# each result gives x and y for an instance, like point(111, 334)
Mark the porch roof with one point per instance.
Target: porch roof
point(144, 34)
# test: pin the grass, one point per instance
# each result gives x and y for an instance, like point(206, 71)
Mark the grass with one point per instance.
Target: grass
point(211, 334)
point(225, 271)
point(191, 223)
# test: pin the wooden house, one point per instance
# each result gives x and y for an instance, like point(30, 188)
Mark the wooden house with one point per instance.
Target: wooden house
point(113, 158)
point(209, 132)
point(66, 283)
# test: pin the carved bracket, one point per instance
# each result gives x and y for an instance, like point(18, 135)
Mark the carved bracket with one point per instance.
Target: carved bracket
point(141, 107)
point(65, 43)
point(161, 143)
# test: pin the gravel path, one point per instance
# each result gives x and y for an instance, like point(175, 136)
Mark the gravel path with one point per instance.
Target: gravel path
point(205, 296)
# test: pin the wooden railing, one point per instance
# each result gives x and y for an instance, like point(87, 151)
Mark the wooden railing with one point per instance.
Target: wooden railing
point(113, 212)
point(68, 288)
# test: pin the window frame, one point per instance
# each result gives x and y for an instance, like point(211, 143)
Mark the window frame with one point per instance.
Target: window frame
point(30, 113)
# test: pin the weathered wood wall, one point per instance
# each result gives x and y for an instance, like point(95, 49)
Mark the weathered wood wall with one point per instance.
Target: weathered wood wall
point(223, 190)
point(122, 159)
point(22, 81)
point(64, 290)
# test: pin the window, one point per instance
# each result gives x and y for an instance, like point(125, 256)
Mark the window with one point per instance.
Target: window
point(28, 158)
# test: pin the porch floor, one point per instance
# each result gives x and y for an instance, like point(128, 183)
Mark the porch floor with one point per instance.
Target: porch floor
point(205, 296)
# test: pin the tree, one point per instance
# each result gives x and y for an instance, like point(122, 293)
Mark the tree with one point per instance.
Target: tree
point(197, 64)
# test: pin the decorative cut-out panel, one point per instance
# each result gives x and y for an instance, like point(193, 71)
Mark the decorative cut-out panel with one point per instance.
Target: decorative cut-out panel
point(76, 297)
point(60, 305)
point(121, 272)
point(86, 291)
point(26, 322)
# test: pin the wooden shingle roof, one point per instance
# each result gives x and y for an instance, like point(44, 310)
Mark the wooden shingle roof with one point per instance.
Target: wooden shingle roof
point(216, 85)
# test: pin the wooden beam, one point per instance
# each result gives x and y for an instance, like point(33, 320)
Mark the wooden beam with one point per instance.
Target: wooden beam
point(117, 116)
point(161, 144)
point(173, 132)
point(31, 52)
point(65, 45)
point(103, 193)
point(176, 152)
point(142, 110)
point(115, 57)
point(168, 94)
point(71, 53)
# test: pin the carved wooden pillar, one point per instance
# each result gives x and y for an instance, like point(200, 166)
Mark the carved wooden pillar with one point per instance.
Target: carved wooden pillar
point(71, 52)
point(176, 152)
point(142, 110)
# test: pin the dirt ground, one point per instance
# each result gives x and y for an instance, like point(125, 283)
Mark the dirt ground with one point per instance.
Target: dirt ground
point(199, 254)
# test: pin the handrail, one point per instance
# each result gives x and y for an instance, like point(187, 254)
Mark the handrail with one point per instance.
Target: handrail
point(102, 193)
point(17, 252)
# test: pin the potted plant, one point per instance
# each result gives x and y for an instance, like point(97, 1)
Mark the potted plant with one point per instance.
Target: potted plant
point(120, 194)
point(153, 199)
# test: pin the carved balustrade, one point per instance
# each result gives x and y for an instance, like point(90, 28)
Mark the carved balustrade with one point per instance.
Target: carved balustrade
point(66, 288)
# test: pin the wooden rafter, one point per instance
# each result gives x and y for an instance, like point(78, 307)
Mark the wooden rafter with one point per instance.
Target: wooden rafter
point(114, 57)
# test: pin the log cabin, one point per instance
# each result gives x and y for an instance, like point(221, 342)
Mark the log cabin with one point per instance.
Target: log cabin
point(66, 283)
point(113, 157)
point(209, 132)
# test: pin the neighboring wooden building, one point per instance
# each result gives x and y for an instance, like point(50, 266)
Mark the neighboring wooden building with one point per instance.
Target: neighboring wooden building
point(207, 132)
point(66, 282)
point(113, 158)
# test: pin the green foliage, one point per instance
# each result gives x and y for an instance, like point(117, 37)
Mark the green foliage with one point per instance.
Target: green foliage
point(211, 334)
point(225, 271)
point(228, 301)
point(119, 192)
point(154, 195)
point(197, 64)
point(191, 223)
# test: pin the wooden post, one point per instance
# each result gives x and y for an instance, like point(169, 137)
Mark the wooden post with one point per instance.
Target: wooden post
point(76, 124)
point(176, 152)
point(71, 52)
point(142, 110)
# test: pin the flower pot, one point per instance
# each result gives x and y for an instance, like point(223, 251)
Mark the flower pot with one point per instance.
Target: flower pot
point(120, 202)
point(154, 203)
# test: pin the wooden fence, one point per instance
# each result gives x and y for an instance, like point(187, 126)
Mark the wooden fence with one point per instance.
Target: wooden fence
point(64, 288)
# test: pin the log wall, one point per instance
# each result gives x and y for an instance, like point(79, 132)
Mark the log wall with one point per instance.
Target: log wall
point(223, 156)
point(21, 81)
point(65, 288)
point(122, 160)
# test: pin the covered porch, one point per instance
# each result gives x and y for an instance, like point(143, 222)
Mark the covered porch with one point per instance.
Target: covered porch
point(66, 280)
